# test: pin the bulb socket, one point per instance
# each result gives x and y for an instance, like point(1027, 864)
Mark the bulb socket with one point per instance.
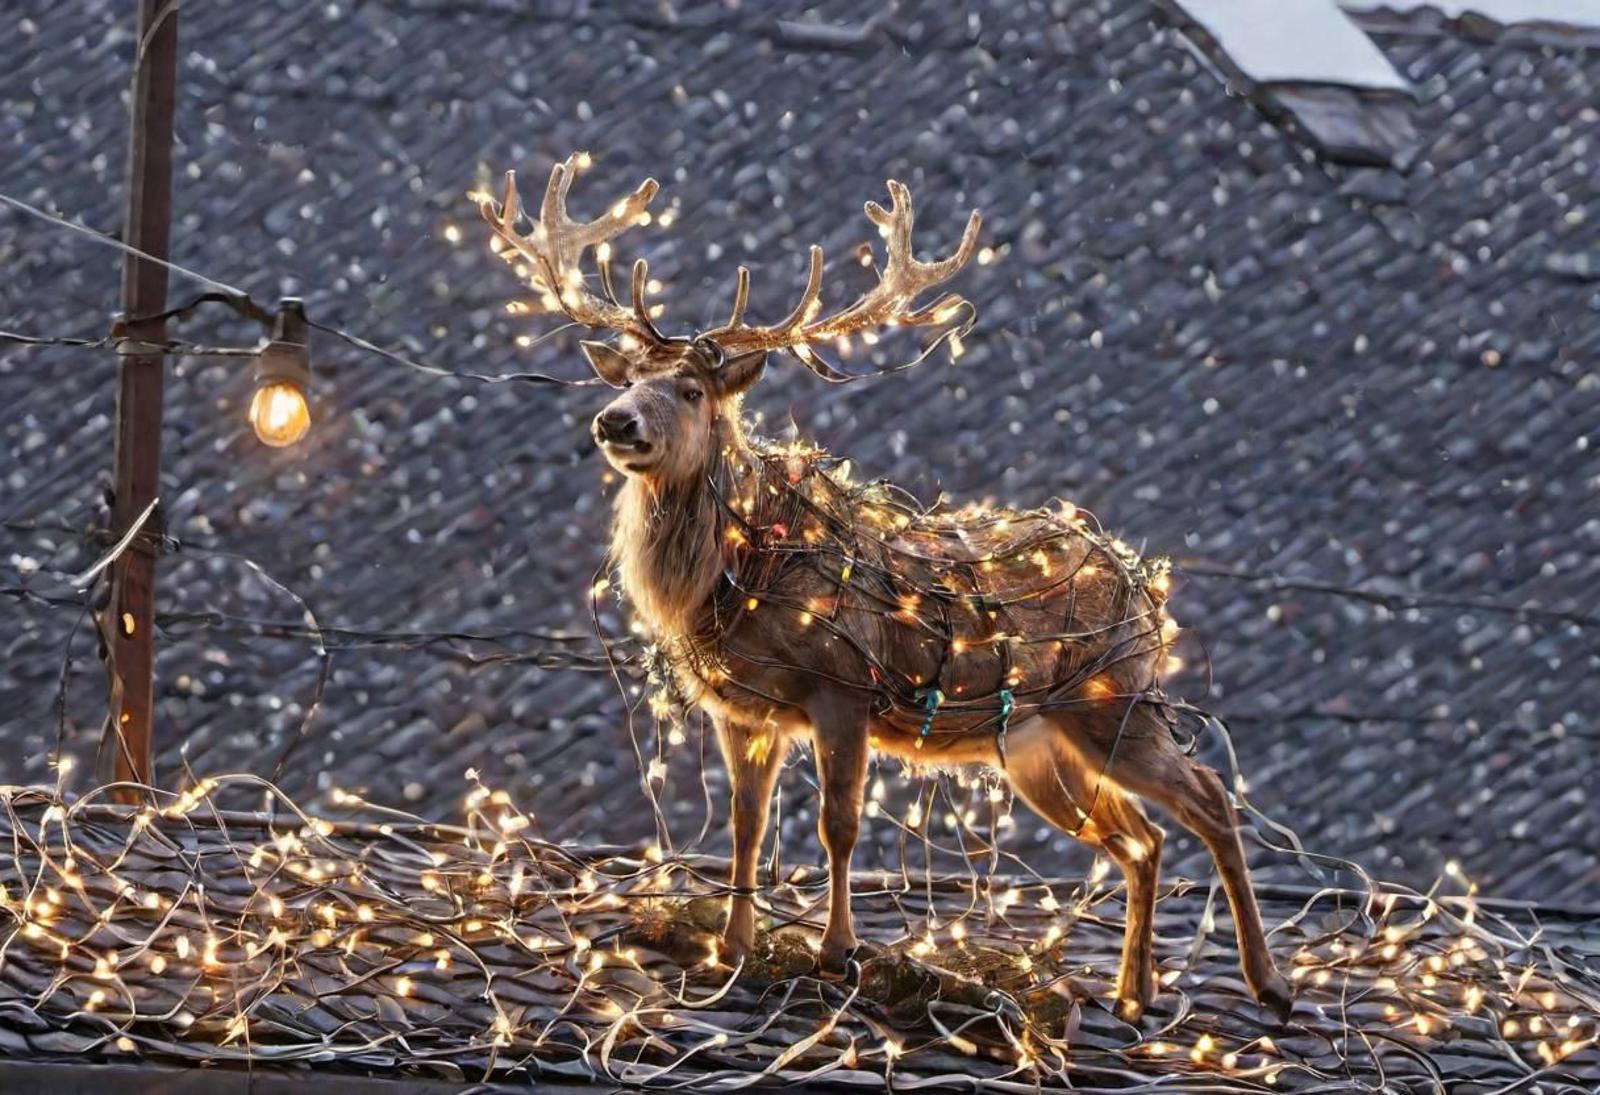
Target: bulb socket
point(286, 355)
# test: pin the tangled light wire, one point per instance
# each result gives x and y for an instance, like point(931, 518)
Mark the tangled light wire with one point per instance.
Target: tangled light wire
point(389, 941)
point(242, 302)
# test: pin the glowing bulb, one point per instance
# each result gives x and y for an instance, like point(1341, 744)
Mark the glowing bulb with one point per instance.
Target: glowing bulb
point(279, 413)
point(1098, 688)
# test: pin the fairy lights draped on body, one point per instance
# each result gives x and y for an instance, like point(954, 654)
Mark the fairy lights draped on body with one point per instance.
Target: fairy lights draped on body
point(977, 616)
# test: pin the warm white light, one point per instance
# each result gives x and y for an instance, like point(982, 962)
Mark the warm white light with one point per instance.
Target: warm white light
point(279, 413)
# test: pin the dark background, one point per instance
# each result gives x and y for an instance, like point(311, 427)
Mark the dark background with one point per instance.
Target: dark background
point(1379, 388)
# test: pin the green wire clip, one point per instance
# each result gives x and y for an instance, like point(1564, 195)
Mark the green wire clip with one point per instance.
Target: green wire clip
point(1008, 704)
point(934, 699)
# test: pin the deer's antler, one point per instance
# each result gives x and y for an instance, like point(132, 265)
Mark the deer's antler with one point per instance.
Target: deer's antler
point(890, 302)
point(556, 244)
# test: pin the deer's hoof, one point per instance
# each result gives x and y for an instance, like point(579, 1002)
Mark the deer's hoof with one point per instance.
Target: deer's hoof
point(1134, 993)
point(733, 949)
point(1274, 995)
point(835, 959)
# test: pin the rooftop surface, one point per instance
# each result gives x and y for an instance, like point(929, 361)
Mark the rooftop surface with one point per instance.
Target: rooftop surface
point(1356, 406)
point(481, 952)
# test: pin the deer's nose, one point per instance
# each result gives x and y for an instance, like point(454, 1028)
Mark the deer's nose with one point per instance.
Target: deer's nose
point(617, 426)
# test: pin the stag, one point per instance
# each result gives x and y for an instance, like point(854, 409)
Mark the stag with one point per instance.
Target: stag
point(795, 605)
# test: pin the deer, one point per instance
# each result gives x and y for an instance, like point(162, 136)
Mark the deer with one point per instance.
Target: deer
point(794, 605)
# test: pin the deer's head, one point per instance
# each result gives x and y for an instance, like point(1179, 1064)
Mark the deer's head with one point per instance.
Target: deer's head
point(675, 391)
point(664, 421)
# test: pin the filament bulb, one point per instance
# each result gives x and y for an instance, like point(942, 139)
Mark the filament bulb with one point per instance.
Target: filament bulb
point(279, 413)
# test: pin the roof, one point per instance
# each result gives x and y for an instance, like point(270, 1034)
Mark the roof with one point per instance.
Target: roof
point(1356, 405)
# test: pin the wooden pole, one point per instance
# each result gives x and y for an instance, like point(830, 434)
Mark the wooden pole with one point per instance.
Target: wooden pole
point(126, 746)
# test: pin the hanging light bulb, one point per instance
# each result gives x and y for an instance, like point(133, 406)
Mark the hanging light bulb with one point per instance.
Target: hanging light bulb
point(279, 412)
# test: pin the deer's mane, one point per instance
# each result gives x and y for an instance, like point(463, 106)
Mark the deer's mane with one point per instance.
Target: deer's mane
point(687, 552)
point(667, 538)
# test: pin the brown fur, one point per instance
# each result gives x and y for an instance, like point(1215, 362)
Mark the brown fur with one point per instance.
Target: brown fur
point(794, 604)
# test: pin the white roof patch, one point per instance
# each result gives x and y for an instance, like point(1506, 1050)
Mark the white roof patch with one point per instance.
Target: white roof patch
point(1570, 13)
point(1297, 41)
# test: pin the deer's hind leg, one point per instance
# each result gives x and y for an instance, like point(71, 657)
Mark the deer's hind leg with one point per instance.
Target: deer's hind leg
point(1047, 774)
point(1151, 765)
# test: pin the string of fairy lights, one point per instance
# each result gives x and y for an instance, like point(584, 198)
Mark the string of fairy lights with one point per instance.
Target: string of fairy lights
point(283, 935)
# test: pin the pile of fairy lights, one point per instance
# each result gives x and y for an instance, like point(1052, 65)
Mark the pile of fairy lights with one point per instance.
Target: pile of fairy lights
point(184, 931)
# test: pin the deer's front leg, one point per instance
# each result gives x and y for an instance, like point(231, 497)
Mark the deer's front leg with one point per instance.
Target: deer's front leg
point(753, 758)
point(839, 735)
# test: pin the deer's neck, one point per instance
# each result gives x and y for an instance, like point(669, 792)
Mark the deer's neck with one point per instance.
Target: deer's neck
point(667, 540)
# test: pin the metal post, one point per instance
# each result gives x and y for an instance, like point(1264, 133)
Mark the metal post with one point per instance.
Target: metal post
point(130, 616)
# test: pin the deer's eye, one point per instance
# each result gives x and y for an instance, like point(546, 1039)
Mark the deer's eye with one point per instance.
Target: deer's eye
point(691, 395)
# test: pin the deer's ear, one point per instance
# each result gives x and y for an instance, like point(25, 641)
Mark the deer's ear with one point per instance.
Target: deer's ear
point(738, 373)
point(610, 364)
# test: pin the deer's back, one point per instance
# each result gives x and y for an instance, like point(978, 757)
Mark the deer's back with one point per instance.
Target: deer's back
point(969, 614)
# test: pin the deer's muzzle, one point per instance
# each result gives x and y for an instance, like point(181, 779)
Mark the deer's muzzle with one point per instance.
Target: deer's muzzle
point(616, 426)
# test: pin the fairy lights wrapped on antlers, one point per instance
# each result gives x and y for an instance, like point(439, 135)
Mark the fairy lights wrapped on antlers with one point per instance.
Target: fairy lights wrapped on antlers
point(555, 245)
